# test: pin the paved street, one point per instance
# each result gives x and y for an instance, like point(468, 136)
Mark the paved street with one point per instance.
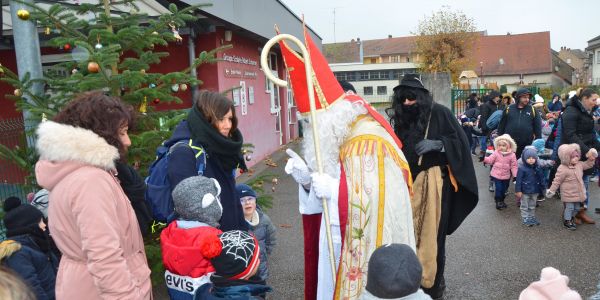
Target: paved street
point(492, 256)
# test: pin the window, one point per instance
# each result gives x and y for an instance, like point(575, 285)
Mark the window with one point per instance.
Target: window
point(340, 75)
point(598, 57)
point(382, 90)
point(568, 60)
point(394, 58)
point(364, 75)
point(373, 60)
point(350, 76)
point(368, 90)
point(374, 75)
point(273, 65)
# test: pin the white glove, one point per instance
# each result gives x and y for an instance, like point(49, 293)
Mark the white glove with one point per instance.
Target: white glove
point(297, 168)
point(550, 194)
point(323, 185)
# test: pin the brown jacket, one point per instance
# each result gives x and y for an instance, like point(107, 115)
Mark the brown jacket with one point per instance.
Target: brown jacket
point(91, 219)
point(569, 178)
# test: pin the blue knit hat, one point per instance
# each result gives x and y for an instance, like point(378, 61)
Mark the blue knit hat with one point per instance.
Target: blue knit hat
point(529, 152)
point(244, 190)
point(540, 145)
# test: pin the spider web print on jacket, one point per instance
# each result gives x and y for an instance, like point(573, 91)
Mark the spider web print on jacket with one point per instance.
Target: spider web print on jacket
point(239, 244)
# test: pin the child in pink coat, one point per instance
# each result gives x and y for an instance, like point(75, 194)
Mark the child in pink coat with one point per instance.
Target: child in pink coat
point(504, 163)
point(569, 178)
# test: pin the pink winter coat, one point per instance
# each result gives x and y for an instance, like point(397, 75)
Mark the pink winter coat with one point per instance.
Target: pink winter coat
point(502, 165)
point(570, 178)
point(91, 219)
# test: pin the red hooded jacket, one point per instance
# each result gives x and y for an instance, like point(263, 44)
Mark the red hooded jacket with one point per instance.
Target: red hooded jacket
point(181, 249)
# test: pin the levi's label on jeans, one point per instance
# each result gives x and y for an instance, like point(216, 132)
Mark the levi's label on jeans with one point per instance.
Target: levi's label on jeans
point(185, 284)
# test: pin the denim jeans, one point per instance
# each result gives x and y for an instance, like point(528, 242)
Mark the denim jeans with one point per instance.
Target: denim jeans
point(483, 143)
point(571, 209)
point(586, 183)
point(501, 187)
point(528, 202)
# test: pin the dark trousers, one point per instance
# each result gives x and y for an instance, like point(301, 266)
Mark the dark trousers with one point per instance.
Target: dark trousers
point(439, 285)
point(311, 225)
point(501, 187)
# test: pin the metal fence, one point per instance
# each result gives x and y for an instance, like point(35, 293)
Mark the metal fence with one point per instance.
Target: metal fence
point(460, 98)
point(12, 177)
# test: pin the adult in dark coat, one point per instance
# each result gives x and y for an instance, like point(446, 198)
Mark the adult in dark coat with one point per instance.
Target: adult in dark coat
point(223, 145)
point(27, 249)
point(578, 127)
point(487, 109)
point(446, 146)
point(556, 104)
point(521, 121)
point(135, 188)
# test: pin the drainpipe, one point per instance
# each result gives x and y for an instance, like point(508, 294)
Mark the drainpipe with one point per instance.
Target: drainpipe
point(27, 51)
point(361, 52)
point(192, 57)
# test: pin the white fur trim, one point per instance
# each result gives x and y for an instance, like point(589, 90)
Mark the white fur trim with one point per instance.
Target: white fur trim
point(61, 142)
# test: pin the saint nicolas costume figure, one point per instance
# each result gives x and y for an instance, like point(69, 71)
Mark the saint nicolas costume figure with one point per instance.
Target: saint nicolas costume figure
point(366, 181)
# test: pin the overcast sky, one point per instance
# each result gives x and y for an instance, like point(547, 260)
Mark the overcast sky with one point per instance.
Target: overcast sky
point(571, 22)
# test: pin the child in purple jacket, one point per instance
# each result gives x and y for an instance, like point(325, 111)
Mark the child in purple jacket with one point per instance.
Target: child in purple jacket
point(504, 163)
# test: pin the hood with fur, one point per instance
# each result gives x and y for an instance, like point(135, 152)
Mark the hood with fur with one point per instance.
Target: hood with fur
point(505, 137)
point(64, 149)
point(564, 153)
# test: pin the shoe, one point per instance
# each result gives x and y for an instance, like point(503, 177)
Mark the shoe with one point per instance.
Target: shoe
point(535, 221)
point(594, 179)
point(491, 188)
point(584, 217)
point(499, 206)
point(569, 225)
point(527, 222)
point(541, 198)
point(584, 206)
point(502, 205)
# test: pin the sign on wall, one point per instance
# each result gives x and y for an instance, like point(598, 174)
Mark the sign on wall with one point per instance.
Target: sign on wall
point(243, 98)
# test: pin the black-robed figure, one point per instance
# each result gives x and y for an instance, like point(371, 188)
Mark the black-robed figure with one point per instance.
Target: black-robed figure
point(445, 146)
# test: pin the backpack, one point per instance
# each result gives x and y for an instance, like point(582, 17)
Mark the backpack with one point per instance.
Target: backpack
point(494, 119)
point(159, 189)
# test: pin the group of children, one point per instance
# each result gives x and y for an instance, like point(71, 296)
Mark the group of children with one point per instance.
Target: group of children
point(530, 173)
point(201, 261)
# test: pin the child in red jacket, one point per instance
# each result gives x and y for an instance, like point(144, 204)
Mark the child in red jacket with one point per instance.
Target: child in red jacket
point(198, 208)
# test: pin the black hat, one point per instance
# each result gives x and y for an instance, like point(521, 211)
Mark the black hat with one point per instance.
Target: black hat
point(394, 272)
point(494, 94)
point(19, 218)
point(521, 92)
point(238, 257)
point(412, 81)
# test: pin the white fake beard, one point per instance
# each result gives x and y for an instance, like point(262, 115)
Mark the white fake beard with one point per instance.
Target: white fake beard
point(333, 125)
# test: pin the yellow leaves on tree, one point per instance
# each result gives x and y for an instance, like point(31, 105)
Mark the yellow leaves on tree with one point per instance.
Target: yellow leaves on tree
point(445, 42)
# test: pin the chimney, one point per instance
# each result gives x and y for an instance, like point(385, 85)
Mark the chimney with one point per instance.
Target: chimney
point(389, 36)
point(361, 52)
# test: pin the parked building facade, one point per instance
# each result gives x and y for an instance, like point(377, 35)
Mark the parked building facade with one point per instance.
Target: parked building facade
point(593, 50)
point(266, 112)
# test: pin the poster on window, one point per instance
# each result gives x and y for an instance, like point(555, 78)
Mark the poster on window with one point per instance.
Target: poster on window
point(236, 97)
point(251, 94)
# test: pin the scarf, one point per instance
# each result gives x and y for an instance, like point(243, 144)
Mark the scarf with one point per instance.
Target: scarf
point(227, 151)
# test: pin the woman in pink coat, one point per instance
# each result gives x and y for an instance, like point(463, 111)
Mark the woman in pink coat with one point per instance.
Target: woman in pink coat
point(569, 178)
point(91, 219)
point(504, 162)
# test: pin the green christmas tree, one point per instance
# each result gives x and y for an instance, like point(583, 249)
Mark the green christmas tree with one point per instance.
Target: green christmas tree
point(111, 52)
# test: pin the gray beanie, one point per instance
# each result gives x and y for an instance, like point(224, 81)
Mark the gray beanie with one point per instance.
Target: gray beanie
point(197, 199)
point(394, 272)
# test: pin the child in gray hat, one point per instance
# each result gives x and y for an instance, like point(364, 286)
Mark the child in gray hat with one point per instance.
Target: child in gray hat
point(198, 208)
point(394, 273)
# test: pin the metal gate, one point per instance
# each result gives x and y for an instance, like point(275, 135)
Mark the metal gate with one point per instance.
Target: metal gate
point(460, 98)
